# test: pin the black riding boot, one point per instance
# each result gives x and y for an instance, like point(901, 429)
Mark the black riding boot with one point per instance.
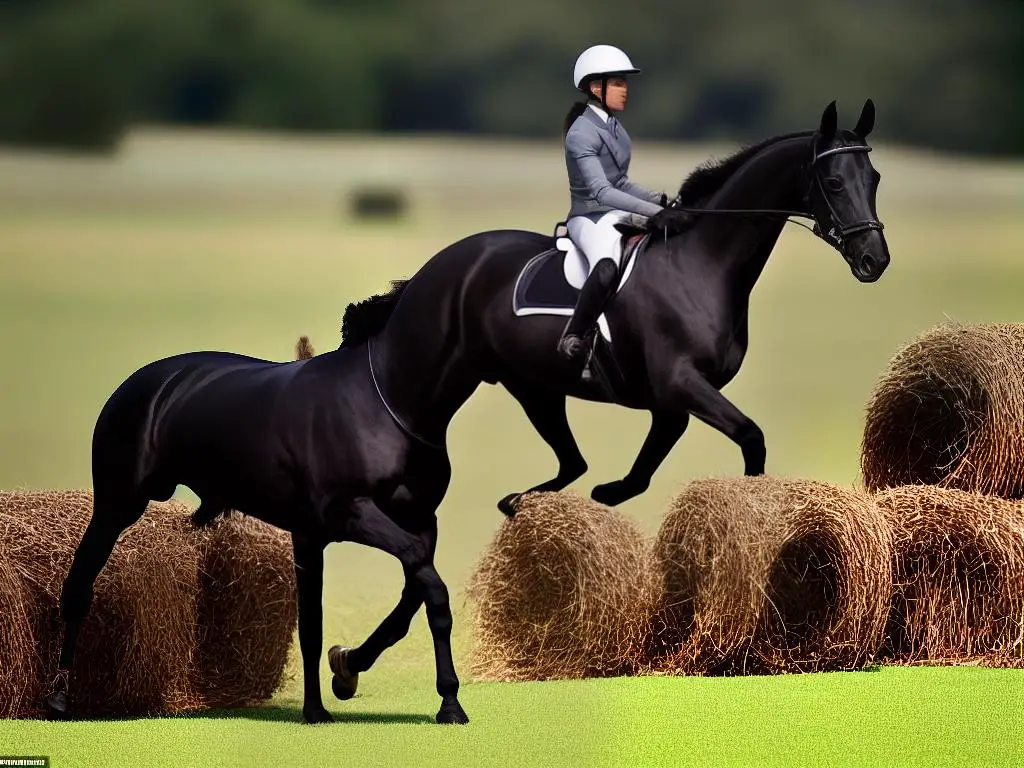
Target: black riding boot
point(575, 343)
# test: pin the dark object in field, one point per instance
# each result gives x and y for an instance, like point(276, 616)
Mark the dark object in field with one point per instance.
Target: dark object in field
point(351, 444)
point(137, 643)
point(765, 575)
point(563, 591)
point(959, 572)
point(377, 203)
point(949, 411)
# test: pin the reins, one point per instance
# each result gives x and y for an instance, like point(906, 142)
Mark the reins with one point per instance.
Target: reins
point(836, 233)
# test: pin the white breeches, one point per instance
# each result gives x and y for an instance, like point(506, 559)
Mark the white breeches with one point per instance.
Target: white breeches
point(598, 239)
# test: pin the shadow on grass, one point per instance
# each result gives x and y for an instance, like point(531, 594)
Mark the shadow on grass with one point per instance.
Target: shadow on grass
point(294, 715)
point(279, 714)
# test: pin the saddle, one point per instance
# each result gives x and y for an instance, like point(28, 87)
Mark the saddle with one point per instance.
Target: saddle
point(550, 284)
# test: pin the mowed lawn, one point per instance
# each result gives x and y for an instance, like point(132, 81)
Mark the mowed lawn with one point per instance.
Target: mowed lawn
point(240, 243)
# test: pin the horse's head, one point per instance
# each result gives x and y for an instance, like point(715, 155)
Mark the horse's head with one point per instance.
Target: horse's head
point(841, 193)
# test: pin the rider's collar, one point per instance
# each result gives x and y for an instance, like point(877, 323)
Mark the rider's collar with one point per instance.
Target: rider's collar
point(601, 113)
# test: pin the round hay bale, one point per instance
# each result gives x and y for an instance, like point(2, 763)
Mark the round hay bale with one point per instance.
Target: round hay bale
point(137, 641)
point(959, 574)
point(246, 615)
point(563, 591)
point(949, 411)
point(20, 666)
point(764, 575)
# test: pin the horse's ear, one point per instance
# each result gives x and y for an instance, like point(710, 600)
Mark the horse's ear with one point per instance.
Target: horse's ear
point(867, 119)
point(829, 122)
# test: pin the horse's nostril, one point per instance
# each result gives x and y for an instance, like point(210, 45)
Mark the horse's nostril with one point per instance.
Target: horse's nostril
point(868, 261)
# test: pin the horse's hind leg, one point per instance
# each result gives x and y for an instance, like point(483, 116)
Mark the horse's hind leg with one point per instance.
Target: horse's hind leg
point(665, 431)
point(547, 414)
point(111, 515)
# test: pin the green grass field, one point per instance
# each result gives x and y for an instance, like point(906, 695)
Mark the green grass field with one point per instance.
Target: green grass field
point(211, 241)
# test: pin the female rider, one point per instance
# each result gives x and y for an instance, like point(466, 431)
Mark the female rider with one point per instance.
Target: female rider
point(597, 155)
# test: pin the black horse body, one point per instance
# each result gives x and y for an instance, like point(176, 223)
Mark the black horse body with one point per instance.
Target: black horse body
point(350, 445)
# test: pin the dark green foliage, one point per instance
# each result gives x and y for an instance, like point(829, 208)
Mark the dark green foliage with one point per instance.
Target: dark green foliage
point(944, 73)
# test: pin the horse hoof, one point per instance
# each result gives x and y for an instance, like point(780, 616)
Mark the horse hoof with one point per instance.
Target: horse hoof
point(57, 706)
point(452, 714)
point(344, 683)
point(613, 494)
point(507, 505)
point(314, 715)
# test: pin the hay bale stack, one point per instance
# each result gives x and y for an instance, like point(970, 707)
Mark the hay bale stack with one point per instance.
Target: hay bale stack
point(563, 591)
point(137, 641)
point(959, 572)
point(766, 575)
point(246, 615)
point(181, 619)
point(949, 411)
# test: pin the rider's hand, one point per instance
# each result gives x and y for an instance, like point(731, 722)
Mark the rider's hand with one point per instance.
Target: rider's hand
point(675, 221)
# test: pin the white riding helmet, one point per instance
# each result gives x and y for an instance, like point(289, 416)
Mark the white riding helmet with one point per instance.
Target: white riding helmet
point(601, 60)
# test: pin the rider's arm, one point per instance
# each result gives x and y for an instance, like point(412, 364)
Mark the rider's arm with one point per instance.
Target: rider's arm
point(631, 188)
point(585, 151)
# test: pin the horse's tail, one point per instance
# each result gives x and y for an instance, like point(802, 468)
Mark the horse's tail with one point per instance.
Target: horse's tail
point(304, 349)
point(368, 317)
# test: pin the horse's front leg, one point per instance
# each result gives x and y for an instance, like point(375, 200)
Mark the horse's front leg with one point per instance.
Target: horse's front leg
point(367, 524)
point(697, 395)
point(666, 429)
point(309, 581)
point(347, 663)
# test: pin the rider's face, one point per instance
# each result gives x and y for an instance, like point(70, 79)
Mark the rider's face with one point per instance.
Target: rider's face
point(617, 95)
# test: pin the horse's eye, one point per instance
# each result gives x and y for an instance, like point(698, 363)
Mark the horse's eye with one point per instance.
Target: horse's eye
point(834, 184)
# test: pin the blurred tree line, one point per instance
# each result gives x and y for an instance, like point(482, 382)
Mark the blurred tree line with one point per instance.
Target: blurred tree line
point(947, 74)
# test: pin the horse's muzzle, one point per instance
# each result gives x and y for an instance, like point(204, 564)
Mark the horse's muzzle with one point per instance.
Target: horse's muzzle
point(868, 257)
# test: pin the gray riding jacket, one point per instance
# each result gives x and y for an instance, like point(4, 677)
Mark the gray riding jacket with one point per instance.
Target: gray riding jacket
point(598, 164)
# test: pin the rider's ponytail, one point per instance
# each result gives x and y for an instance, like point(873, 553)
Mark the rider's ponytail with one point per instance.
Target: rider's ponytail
point(575, 111)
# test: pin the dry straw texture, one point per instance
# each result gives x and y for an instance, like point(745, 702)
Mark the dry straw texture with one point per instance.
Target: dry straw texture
point(949, 411)
point(136, 644)
point(765, 575)
point(563, 591)
point(180, 619)
point(959, 571)
point(304, 349)
point(19, 661)
point(246, 611)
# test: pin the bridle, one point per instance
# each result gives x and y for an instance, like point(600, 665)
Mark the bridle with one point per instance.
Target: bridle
point(837, 233)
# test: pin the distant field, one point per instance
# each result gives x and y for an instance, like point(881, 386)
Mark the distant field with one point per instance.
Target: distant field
point(235, 242)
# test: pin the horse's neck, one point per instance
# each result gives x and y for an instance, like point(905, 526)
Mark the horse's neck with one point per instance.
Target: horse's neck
point(770, 180)
point(420, 369)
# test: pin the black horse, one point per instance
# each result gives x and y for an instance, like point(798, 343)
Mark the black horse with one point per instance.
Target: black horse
point(350, 445)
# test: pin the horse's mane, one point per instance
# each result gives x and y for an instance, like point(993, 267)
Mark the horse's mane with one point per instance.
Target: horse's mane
point(709, 177)
point(367, 318)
